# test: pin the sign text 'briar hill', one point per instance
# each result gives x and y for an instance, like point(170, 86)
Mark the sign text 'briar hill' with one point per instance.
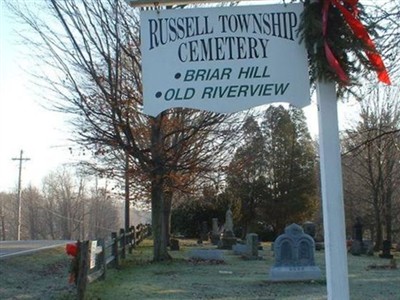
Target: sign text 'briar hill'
point(197, 47)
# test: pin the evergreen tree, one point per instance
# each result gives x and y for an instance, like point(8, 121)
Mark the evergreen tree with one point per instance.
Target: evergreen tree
point(272, 175)
point(290, 167)
point(246, 175)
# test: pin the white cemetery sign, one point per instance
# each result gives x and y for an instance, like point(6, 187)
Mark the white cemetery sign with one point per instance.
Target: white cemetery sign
point(223, 59)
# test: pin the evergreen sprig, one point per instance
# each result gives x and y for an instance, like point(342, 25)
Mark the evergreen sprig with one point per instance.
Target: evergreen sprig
point(347, 48)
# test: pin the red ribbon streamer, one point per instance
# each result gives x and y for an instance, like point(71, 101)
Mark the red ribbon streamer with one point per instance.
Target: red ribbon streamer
point(360, 32)
point(333, 62)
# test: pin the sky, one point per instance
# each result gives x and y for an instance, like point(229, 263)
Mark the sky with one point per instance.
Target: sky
point(43, 135)
point(24, 123)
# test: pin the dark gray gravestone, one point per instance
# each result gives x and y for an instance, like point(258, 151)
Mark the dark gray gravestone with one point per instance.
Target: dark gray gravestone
point(215, 234)
point(294, 256)
point(248, 250)
point(310, 228)
point(204, 231)
point(357, 247)
point(174, 245)
point(252, 245)
point(386, 249)
point(358, 230)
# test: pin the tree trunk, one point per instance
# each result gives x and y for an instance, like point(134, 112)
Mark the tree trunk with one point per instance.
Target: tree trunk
point(3, 228)
point(388, 202)
point(388, 216)
point(167, 215)
point(160, 252)
point(378, 228)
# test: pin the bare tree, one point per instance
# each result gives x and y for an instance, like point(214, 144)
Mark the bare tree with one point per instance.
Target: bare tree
point(64, 205)
point(8, 215)
point(372, 164)
point(2, 217)
point(386, 16)
point(33, 226)
point(102, 214)
point(92, 49)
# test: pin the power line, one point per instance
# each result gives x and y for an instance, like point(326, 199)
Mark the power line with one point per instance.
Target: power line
point(21, 159)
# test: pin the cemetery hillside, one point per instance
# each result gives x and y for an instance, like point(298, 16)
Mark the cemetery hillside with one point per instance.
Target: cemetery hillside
point(196, 173)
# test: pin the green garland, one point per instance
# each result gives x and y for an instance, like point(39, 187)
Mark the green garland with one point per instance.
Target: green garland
point(348, 49)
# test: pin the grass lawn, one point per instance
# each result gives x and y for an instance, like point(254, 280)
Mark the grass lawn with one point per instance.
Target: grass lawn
point(41, 275)
point(138, 278)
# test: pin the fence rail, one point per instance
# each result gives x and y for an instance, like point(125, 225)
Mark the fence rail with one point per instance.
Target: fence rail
point(94, 257)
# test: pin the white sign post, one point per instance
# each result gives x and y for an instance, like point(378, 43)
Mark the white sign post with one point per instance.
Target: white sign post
point(223, 59)
point(332, 193)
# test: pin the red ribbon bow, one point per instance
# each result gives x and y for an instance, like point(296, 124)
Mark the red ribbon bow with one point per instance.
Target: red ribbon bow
point(350, 15)
point(72, 249)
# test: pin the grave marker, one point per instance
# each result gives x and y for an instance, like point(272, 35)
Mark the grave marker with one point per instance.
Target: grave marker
point(294, 256)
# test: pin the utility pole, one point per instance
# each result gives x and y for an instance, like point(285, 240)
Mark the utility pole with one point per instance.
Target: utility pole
point(19, 193)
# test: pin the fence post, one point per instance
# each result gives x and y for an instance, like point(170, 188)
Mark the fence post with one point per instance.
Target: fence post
point(114, 249)
point(139, 234)
point(83, 266)
point(137, 231)
point(131, 238)
point(122, 242)
point(102, 258)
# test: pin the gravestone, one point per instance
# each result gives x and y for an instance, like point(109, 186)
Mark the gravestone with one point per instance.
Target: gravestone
point(215, 234)
point(252, 246)
point(206, 254)
point(310, 229)
point(249, 250)
point(294, 256)
point(204, 231)
point(228, 220)
point(174, 245)
point(240, 249)
point(368, 247)
point(228, 238)
point(386, 250)
point(358, 230)
point(357, 246)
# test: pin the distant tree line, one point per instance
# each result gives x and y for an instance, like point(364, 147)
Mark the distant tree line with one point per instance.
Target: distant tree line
point(66, 208)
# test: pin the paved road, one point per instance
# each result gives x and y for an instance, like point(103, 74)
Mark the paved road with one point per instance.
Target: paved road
point(12, 248)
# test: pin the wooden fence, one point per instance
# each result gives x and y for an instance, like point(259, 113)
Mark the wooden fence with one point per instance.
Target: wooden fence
point(94, 257)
